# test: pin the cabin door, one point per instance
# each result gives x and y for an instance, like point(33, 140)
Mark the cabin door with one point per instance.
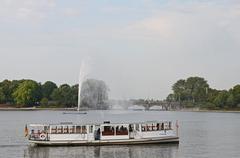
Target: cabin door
point(97, 132)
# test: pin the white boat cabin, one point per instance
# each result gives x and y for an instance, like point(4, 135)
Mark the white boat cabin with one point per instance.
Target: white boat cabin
point(101, 132)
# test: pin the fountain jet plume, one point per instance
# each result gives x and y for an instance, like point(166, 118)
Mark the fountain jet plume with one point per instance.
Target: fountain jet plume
point(82, 77)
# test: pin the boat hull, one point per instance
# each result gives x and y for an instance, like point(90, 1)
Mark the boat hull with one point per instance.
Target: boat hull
point(171, 139)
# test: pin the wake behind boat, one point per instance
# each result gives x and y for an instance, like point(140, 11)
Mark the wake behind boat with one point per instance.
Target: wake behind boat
point(103, 134)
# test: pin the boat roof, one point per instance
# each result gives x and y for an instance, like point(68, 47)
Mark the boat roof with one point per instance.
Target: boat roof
point(100, 124)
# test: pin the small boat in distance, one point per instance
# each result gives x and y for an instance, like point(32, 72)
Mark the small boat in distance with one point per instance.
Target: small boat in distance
point(102, 134)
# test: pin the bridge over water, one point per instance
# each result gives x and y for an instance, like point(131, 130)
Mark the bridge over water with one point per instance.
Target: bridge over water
point(147, 105)
point(163, 105)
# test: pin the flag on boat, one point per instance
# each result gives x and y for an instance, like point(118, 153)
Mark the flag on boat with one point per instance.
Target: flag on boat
point(26, 131)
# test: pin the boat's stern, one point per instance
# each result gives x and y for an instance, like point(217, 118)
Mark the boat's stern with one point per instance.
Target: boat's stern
point(37, 133)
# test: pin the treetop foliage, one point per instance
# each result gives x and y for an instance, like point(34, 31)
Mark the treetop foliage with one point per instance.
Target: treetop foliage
point(196, 92)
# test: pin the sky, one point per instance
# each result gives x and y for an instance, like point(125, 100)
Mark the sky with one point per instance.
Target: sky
point(140, 48)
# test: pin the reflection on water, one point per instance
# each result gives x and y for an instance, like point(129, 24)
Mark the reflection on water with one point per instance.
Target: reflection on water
point(138, 151)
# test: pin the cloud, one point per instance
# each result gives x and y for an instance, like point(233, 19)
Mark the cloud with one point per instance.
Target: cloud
point(153, 26)
point(25, 9)
point(189, 21)
point(71, 12)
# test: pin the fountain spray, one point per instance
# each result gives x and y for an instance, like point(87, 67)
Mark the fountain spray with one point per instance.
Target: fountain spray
point(82, 75)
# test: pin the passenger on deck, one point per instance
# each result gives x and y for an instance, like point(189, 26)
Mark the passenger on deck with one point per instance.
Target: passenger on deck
point(121, 128)
point(130, 128)
point(97, 136)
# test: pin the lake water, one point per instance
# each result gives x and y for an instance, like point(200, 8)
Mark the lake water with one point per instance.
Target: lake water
point(202, 135)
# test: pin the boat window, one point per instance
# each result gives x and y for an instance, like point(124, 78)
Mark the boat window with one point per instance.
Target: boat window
point(53, 129)
point(166, 125)
point(158, 126)
point(131, 128)
point(91, 129)
point(137, 127)
point(78, 129)
point(46, 128)
point(84, 130)
point(59, 129)
point(148, 127)
point(71, 129)
point(108, 131)
point(152, 127)
point(170, 125)
point(162, 126)
point(117, 128)
point(65, 129)
point(121, 130)
point(143, 127)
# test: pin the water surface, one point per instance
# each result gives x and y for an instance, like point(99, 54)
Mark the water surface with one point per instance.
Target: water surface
point(202, 135)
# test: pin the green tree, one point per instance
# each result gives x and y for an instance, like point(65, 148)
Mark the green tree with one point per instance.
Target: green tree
point(47, 89)
point(230, 101)
point(28, 93)
point(5, 86)
point(196, 88)
point(193, 89)
point(212, 94)
point(236, 94)
point(44, 102)
point(221, 99)
point(2, 96)
point(74, 95)
point(12, 88)
point(171, 98)
point(179, 90)
point(8, 88)
point(62, 95)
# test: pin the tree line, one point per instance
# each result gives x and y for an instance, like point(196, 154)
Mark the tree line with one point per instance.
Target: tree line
point(28, 93)
point(196, 92)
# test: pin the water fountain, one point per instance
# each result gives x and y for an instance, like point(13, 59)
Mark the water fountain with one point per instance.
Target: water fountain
point(82, 77)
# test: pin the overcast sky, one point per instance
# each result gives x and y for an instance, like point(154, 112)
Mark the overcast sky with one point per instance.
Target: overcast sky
point(138, 47)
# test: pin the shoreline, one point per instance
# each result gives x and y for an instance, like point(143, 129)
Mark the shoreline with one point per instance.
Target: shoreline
point(38, 109)
point(212, 111)
point(74, 109)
